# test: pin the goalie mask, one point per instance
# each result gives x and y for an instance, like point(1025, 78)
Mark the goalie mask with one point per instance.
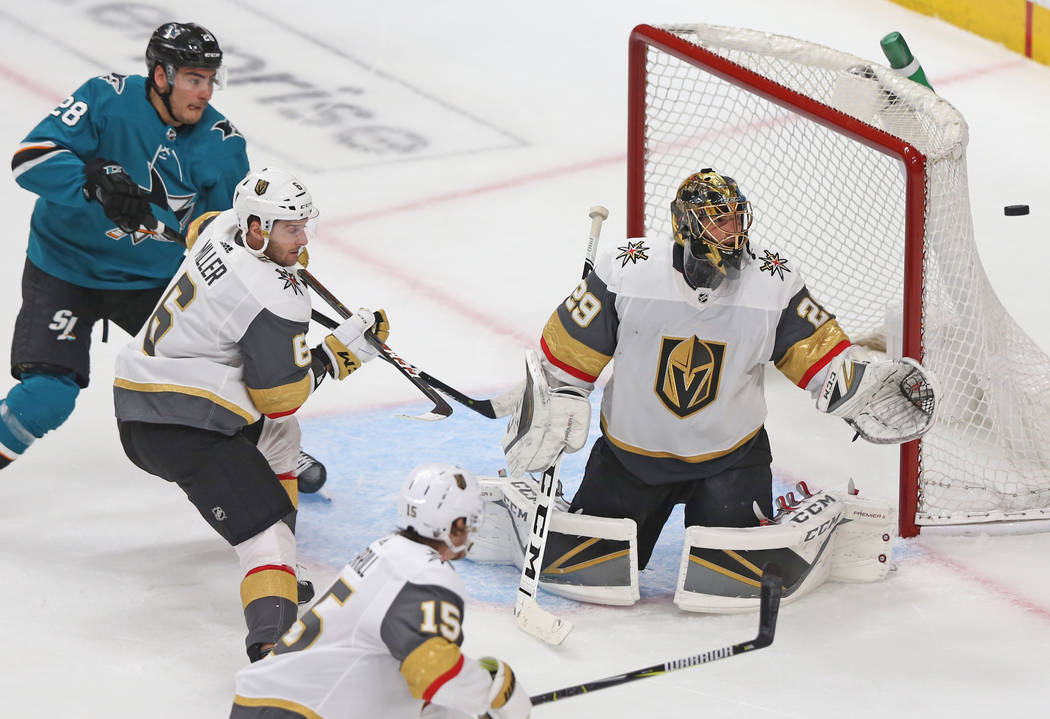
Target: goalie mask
point(435, 496)
point(269, 195)
point(710, 218)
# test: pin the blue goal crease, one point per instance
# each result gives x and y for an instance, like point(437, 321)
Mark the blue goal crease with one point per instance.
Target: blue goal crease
point(365, 476)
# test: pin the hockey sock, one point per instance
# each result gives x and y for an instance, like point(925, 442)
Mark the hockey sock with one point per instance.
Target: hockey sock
point(38, 404)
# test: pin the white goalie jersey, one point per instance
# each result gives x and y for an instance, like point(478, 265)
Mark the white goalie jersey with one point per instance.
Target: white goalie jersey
point(689, 364)
point(382, 642)
point(226, 343)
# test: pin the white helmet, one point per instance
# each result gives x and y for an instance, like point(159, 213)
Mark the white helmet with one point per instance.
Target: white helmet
point(436, 495)
point(270, 194)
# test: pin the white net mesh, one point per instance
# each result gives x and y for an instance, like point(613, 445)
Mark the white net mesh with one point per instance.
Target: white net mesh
point(837, 206)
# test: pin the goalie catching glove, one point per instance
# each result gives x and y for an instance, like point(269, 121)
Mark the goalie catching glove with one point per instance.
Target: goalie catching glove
point(348, 347)
point(886, 402)
point(545, 422)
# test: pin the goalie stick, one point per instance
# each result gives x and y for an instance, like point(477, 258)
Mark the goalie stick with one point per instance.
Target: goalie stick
point(598, 215)
point(441, 407)
point(528, 614)
point(769, 606)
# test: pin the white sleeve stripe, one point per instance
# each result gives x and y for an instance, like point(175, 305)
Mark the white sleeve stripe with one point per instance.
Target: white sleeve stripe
point(19, 167)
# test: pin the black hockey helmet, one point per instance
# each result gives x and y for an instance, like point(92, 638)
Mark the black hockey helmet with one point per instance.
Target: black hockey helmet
point(705, 199)
point(182, 44)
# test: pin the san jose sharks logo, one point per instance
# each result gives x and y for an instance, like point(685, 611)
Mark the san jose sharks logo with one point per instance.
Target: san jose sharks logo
point(115, 80)
point(688, 374)
point(227, 129)
point(774, 264)
point(157, 194)
point(291, 280)
point(633, 252)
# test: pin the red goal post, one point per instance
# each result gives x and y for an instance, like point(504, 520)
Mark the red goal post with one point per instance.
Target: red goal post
point(860, 175)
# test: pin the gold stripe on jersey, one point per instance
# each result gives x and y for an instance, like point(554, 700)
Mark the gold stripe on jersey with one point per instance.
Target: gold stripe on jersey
point(556, 567)
point(801, 357)
point(181, 389)
point(569, 353)
point(429, 662)
point(693, 459)
point(283, 399)
point(276, 704)
point(195, 228)
point(267, 582)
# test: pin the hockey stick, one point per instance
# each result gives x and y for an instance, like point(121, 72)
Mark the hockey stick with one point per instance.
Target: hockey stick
point(769, 605)
point(441, 407)
point(500, 406)
point(598, 214)
point(528, 614)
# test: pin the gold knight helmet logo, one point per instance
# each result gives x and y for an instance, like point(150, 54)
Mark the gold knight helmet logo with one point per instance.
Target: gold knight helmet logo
point(261, 186)
point(689, 372)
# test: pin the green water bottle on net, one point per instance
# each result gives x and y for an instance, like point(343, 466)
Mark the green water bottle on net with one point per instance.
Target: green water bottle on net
point(901, 59)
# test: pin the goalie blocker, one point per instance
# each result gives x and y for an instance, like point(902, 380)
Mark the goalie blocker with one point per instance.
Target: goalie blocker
point(836, 536)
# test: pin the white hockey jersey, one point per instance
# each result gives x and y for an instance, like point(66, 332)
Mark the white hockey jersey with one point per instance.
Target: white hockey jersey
point(688, 374)
point(226, 343)
point(381, 642)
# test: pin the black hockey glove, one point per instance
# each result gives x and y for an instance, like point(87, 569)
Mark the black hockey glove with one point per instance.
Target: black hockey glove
point(122, 200)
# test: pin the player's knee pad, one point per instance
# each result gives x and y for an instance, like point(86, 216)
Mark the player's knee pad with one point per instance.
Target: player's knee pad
point(589, 559)
point(279, 442)
point(275, 545)
point(42, 401)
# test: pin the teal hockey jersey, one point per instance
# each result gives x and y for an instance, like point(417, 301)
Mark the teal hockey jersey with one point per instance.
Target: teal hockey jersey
point(185, 170)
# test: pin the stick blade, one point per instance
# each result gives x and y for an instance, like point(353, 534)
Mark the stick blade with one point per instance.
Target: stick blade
point(426, 416)
point(537, 621)
point(772, 589)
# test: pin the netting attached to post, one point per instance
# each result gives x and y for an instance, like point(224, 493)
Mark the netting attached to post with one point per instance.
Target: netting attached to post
point(780, 115)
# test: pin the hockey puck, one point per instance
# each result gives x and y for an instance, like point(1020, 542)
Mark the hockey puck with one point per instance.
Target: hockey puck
point(1014, 210)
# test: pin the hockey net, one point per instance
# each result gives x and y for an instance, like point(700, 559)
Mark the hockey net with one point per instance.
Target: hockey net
point(859, 175)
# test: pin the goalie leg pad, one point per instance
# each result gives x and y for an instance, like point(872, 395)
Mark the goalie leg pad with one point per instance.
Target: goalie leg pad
point(589, 559)
point(545, 421)
point(721, 567)
point(863, 549)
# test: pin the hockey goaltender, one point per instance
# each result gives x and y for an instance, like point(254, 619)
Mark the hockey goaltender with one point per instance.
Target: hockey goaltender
point(690, 323)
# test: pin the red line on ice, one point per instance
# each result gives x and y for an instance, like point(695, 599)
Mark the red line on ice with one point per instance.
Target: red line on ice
point(992, 586)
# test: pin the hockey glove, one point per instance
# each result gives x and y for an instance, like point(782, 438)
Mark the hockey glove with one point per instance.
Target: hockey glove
point(121, 198)
point(347, 346)
point(545, 422)
point(507, 699)
point(885, 402)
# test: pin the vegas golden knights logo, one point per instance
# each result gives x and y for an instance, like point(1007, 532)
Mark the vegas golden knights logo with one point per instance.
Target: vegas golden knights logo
point(690, 368)
point(261, 186)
